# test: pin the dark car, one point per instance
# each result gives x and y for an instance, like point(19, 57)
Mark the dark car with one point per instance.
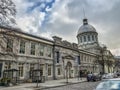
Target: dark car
point(93, 77)
point(89, 77)
point(96, 77)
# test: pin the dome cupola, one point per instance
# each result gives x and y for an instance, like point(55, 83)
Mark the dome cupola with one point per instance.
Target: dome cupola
point(87, 35)
point(86, 27)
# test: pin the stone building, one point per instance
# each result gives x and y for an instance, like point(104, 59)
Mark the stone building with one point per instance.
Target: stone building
point(57, 58)
point(25, 52)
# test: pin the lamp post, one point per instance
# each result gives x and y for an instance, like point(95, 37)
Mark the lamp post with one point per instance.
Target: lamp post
point(103, 48)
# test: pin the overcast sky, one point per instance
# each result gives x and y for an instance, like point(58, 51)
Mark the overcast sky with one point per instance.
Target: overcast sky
point(64, 17)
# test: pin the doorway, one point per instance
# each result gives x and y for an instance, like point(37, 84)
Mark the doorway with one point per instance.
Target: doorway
point(69, 70)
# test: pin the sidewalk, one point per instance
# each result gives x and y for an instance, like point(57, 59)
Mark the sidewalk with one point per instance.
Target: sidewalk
point(47, 84)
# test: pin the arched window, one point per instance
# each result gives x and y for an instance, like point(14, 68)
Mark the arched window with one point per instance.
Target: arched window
point(81, 39)
point(88, 37)
point(96, 37)
point(93, 37)
point(84, 38)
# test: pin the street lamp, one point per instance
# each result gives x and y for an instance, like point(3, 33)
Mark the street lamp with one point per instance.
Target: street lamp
point(103, 48)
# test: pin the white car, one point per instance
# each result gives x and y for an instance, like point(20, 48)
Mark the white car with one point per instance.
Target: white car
point(110, 84)
point(108, 76)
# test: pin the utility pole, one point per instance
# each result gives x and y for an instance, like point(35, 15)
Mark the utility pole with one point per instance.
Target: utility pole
point(103, 61)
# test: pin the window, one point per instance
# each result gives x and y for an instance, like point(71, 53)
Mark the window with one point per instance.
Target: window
point(32, 49)
point(59, 71)
point(49, 51)
point(21, 69)
point(93, 37)
point(9, 45)
point(22, 47)
point(88, 37)
point(49, 70)
point(85, 58)
point(81, 39)
point(31, 67)
point(42, 47)
point(41, 69)
point(58, 56)
point(84, 38)
point(78, 57)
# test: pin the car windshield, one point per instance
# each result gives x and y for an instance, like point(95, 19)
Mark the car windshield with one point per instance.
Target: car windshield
point(107, 85)
point(89, 74)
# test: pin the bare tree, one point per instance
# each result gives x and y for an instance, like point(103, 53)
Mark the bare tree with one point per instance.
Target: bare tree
point(7, 12)
point(8, 36)
point(8, 50)
point(9, 45)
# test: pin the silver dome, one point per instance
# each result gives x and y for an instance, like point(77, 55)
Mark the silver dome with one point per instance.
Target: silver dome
point(86, 27)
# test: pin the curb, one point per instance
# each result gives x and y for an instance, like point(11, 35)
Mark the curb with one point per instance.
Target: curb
point(59, 85)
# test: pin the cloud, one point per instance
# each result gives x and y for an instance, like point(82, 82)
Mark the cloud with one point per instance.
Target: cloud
point(46, 35)
point(29, 21)
point(116, 51)
point(60, 23)
point(64, 17)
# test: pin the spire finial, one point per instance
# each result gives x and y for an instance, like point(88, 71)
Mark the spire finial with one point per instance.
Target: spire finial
point(84, 13)
point(85, 22)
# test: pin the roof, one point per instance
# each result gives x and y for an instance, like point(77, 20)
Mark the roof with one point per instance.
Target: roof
point(86, 27)
point(18, 30)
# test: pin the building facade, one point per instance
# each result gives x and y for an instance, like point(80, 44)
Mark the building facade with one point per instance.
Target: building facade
point(88, 41)
point(57, 58)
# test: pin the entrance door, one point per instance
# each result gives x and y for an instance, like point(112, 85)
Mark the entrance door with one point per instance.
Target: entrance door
point(68, 69)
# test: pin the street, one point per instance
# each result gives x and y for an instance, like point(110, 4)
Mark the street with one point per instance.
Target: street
point(79, 86)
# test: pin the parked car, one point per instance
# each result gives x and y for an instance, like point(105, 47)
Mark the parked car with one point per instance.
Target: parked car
point(93, 77)
point(118, 74)
point(89, 77)
point(96, 77)
point(108, 76)
point(109, 84)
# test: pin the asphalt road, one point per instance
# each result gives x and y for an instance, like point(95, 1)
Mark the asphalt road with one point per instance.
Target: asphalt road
point(79, 86)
